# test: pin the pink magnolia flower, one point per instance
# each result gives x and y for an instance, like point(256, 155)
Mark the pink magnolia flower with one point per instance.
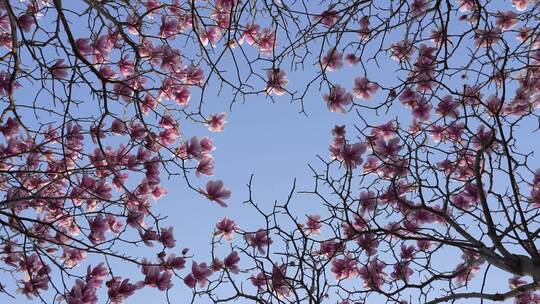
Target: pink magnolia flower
point(155, 277)
point(408, 97)
point(402, 51)
point(506, 20)
point(72, 256)
point(466, 5)
point(369, 243)
point(39, 280)
point(148, 102)
point(266, 41)
point(98, 226)
point(82, 292)
point(520, 5)
point(351, 59)
point(5, 82)
point(114, 223)
point(216, 122)
point(123, 91)
point(373, 274)
point(59, 70)
point(388, 148)
point(351, 155)
point(407, 252)
point(216, 192)
point(368, 201)
point(102, 47)
point(169, 27)
point(448, 107)
point(174, 262)
point(527, 297)
point(330, 248)
point(439, 36)
point(126, 66)
point(486, 38)
point(148, 235)
point(277, 80)
point(231, 262)
point(199, 275)
point(423, 245)
point(5, 25)
point(217, 264)
point(118, 126)
point(494, 105)
point(198, 148)
point(466, 270)
point(259, 240)
point(461, 201)
point(170, 59)
point(158, 192)
point(483, 137)
point(106, 72)
point(363, 88)
point(10, 128)
point(83, 46)
point(344, 268)
point(259, 281)
point(338, 99)
point(205, 166)
point(168, 122)
point(402, 271)
point(365, 32)
point(421, 110)
point(250, 34)
point(96, 275)
point(166, 237)
point(133, 24)
point(385, 131)
point(313, 224)
point(279, 282)
point(221, 16)
point(26, 22)
point(328, 17)
point(418, 7)
point(119, 290)
point(211, 35)
point(332, 61)
point(191, 75)
point(536, 179)
point(226, 227)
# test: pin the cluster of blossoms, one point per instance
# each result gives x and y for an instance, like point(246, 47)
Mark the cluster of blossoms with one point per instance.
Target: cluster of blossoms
point(81, 177)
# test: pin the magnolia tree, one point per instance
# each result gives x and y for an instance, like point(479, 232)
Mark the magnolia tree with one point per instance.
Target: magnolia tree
point(431, 190)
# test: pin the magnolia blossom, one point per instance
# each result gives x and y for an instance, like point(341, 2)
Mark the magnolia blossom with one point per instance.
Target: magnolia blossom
point(506, 20)
point(216, 122)
point(227, 228)
point(520, 5)
point(259, 240)
point(344, 268)
point(231, 262)
point(337, 99)
point(59, 70)
point(313, 224)
point(373, 274)
point(199, 275)
point(364, 89)
point(216, 192)
point(277, 80)
point(328, 17)
point(332, 61)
